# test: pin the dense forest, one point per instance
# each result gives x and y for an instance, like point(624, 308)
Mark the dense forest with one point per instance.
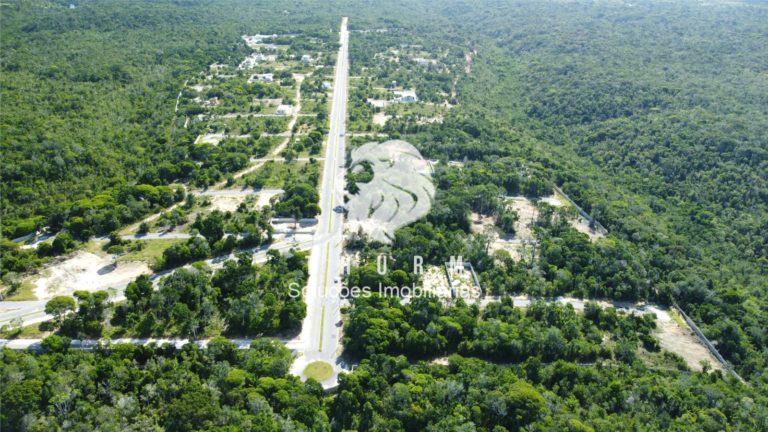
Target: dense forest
point(652, 116)
point(222, 388)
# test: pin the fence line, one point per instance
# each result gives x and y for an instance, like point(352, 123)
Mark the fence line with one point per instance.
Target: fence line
point(704, 341)
point(599, 227)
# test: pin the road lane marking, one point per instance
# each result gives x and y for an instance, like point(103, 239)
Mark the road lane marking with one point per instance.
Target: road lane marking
point(322, 329)
point(327, 256)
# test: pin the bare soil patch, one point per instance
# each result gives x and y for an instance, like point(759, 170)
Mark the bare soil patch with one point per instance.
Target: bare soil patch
point(380, 119)
point(86, 271)
point(683, 342)
point(435, 282)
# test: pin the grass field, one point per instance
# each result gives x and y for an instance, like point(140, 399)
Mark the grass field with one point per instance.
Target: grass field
point(27, 332)
point(25, 291)
point(152, 249)
point(319, 371)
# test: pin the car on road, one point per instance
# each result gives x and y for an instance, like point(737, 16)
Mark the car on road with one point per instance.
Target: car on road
point(339, 209)
point(341, 134)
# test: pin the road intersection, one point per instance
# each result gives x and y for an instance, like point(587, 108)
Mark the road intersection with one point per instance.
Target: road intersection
point(320, 337)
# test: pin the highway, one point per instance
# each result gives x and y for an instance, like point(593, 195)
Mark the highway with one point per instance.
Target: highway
point(320, 335)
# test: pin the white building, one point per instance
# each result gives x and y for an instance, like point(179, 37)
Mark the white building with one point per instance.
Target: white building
point(307, 59)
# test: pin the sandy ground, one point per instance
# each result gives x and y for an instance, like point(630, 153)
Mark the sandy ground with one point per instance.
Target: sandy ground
point(682, 342)
point(514, 245)
point(527, 214)
point(527, 211)
point(430, 120)
point(468, 63)
point(214, 139)
point(434, 281)
point(226, 203)
point(265, 196)
point(200, 87)
point(228, 200)
point(464, 284)
point(480, 223)
point(516, 249)
point(580, 224)
point(380, 119)
point(86, 271)
point(521, 244)
point(378, 103)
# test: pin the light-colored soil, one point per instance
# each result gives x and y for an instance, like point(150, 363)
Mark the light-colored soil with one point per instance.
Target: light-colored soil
point(481, 224)
point(430, 120)
point(468, 63)
point(673, 334)
point(378, 103)
point(214, 139)
point(464, 284)
point(199, 87)
point(683, 342)
point(582, 225)
point(86, 271)
point(435, 282)
point(380, 119)
point(579, 223)
point(226, 203)
point(265, 196)
point(442, 361)
point(527, 213)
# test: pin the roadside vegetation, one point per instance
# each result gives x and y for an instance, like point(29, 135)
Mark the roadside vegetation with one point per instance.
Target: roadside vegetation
point(650, 117)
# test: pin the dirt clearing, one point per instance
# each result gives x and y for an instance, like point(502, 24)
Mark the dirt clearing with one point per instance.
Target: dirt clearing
point(380, 119)
point(435, 282)
point(682, 341)
point(86, 271)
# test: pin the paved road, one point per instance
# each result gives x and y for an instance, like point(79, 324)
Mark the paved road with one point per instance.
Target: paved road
point(89, 344)
point(157, 236)
point(236, 115)
point(320, 334)
point(33, 311)
point(282, 159)
point(238, 192)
